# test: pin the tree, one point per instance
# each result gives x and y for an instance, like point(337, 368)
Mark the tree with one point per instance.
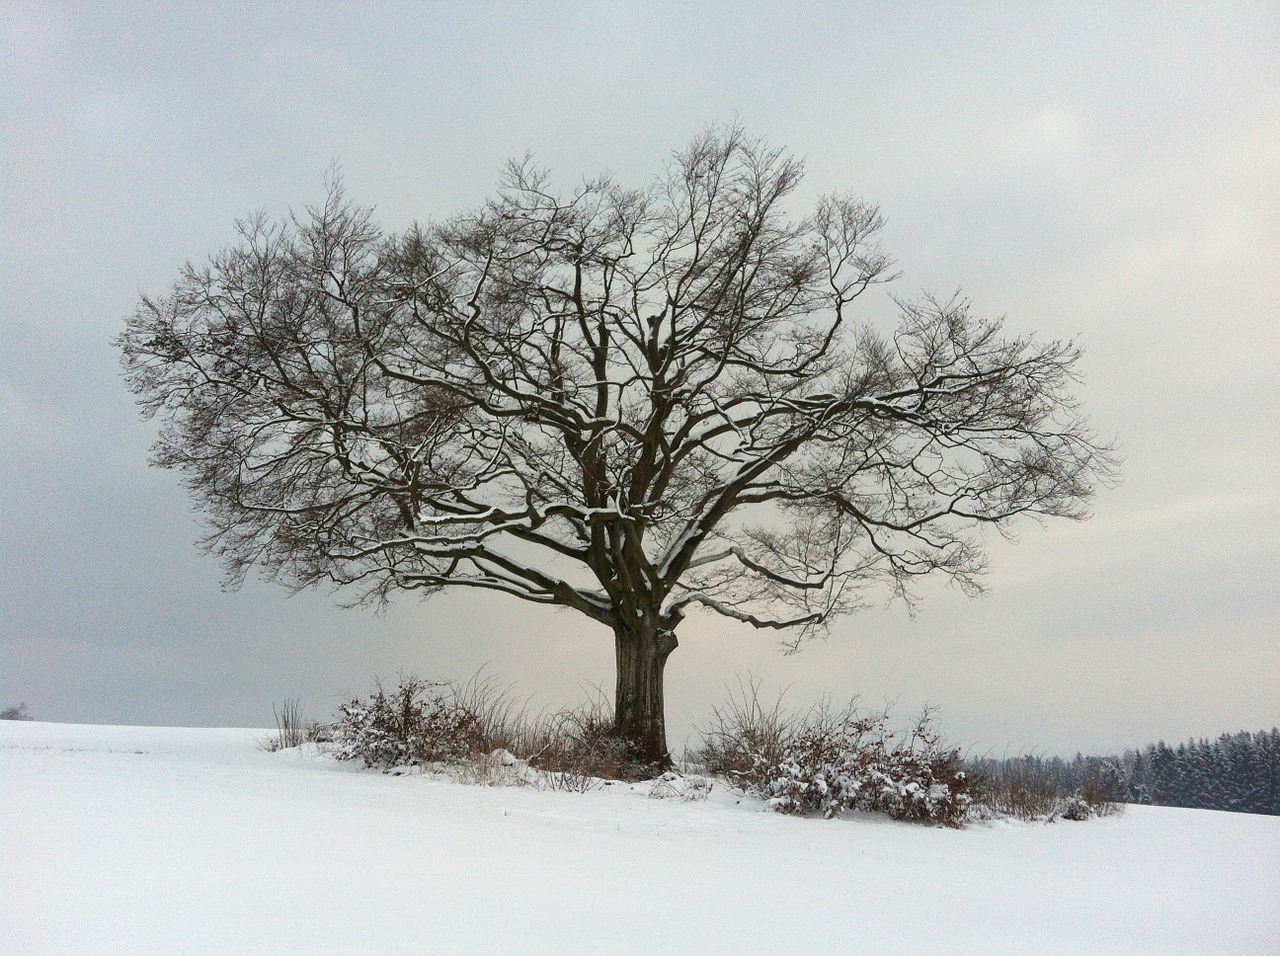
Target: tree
point(628, 402)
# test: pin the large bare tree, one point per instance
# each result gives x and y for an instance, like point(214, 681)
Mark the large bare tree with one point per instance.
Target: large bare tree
point(630, 403)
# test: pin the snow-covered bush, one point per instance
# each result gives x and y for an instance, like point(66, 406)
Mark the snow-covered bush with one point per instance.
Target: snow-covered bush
point(830, 761)
point(1075, 807)
point(843, 761)
point(679, 786)
point(420, 722)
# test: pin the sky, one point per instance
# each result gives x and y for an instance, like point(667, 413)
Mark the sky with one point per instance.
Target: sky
point(1107, 172)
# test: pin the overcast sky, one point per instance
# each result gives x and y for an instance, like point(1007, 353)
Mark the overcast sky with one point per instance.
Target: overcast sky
point(1106, 171)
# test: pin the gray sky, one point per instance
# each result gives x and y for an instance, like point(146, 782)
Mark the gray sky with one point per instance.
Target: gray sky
point(1110, 171)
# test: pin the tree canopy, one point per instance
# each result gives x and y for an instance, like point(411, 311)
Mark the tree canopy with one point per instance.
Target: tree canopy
point(629, 402)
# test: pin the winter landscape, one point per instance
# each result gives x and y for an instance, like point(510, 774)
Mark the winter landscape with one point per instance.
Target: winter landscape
point(910, 354)
point(138, 840)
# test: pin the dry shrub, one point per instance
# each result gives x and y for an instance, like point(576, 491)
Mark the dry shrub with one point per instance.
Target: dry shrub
point(577, 747)
point(1023, 796)
point(468, 726)
point(1025, 789)
point(745, 737)
point(1099, 795)
point(826, 760)
point(831, 760)
point(419, 722)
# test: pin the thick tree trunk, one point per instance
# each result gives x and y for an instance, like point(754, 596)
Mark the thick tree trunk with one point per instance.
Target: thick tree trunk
point(639, 709)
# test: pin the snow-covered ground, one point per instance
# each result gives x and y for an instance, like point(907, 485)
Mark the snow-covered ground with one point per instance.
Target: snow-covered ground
point(146, 840)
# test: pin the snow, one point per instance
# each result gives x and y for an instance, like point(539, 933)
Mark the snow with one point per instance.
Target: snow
point(159, 840)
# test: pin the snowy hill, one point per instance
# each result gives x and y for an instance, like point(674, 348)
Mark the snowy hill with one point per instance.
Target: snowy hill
point(145, 840)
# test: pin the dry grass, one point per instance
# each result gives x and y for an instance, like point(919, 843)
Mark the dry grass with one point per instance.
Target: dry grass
point(499, 768)
point(498, 719)
point(291, 729)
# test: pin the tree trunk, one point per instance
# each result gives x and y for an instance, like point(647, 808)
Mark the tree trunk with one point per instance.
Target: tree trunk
point(639, 713)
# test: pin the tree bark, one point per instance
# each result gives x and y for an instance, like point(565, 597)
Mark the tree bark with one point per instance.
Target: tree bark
point(639, 708)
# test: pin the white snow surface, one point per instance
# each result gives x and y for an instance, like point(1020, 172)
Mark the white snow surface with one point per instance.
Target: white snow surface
point(141, 840)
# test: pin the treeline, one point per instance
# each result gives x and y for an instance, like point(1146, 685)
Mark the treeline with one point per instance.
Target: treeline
point(1237, 772)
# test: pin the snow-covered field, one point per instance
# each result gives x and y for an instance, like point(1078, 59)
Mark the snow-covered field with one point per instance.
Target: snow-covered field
point(146, 840)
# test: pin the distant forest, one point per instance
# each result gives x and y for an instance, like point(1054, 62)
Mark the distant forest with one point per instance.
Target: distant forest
point(1237, 772)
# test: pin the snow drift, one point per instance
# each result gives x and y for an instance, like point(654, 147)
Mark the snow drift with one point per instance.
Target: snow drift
point(146, 840)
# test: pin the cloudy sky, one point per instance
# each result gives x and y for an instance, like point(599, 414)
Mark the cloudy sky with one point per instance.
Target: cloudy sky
point(1106, 171)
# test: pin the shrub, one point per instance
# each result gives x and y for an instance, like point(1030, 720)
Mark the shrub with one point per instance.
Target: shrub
point(1034, 789)
point(419, 722)
point(830, 761)
point(1023, 795)
point(745, 738)
point(576, 747)
point(16, 713)
point(486, 737)
point(688, 787)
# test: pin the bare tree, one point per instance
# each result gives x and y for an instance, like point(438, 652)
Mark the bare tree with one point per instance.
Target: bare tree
point(625, 402)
